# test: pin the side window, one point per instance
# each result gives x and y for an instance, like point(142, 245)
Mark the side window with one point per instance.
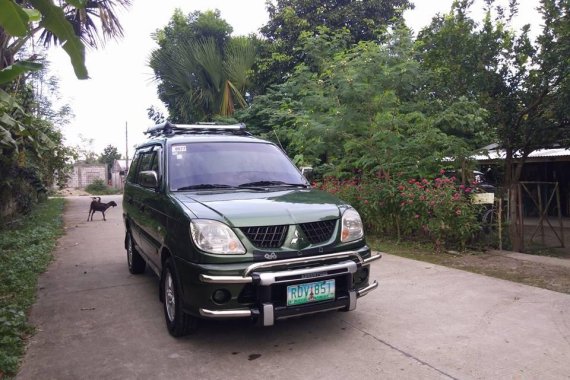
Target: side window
point(133, 170)
point(150, 161)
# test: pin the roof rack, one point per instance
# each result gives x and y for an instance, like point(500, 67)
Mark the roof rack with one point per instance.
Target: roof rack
point(169, 129)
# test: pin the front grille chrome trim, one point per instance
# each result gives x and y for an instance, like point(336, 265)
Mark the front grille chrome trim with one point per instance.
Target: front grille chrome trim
point(303, 260)
point(270, 278)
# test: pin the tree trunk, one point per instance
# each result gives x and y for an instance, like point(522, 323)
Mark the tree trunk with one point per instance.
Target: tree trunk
point(513, 172)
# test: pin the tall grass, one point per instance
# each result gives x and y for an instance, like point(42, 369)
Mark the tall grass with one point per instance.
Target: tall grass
point(26, 248)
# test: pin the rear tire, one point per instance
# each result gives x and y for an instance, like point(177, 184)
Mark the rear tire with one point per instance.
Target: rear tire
point(135, 261)
point(178, 323)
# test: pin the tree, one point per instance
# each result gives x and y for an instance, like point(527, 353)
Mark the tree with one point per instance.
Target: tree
point(109, 155)
point(70, 25)
point(524, 85)
point(363, 108)
point(202, 71)
point(365, 20)
point(155, 115)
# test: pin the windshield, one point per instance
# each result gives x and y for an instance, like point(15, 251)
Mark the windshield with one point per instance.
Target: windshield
point(219, 165)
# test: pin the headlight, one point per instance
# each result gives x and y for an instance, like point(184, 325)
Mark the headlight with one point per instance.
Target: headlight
point(215, 237)
point(351, 226)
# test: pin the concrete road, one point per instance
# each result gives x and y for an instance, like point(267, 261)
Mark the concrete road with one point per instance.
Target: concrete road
point(97, 321)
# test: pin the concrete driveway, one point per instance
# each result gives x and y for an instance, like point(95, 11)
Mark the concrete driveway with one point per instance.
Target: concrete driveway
point(95, 320)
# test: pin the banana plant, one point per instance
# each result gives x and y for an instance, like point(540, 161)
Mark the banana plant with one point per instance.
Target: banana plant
point(19, 21)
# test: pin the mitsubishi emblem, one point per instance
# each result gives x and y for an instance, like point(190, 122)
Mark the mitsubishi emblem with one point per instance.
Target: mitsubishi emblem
point(296, 238)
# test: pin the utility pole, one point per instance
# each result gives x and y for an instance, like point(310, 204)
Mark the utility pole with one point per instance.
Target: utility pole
point(126, 147)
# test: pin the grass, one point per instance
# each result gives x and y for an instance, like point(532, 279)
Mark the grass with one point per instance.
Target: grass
point(492, 264)
point(26, 248)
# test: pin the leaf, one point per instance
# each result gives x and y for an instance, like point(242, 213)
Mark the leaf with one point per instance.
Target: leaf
point(77, 3)
point(13, 18)
point(6, 139)
point(33, 14)
point(54, 20)
point(13, 71)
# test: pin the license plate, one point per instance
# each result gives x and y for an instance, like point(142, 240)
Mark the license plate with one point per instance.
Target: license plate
point(311, 292)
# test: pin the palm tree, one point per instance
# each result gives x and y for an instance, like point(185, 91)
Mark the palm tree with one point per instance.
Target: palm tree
point(200, 80)
point(86, 21)
point(94, 22)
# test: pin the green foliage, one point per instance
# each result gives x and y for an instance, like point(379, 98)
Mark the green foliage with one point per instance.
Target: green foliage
point(99, 187)
point(201, 71)
point(363, 107)
point(53, 20)
point(25, 251)
point(109, 155)
point(13, 18)
point(523, 85)
point(438, 210)
point(290, 20)
point(13, 71)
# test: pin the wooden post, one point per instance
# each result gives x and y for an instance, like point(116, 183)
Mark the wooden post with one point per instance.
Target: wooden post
point(500, 216)
point(560, 215)
point(540, 212)
point(520, 218)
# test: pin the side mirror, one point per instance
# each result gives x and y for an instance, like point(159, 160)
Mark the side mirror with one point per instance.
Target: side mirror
point(307, 171)
point(148, 178)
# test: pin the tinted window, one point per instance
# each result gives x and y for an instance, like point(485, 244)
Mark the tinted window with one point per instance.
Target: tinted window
point(231, 164)
point(149, 161)
point(133, 170)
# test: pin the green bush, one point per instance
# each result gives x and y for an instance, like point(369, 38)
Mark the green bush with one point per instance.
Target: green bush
point(25, 251)
point(99, 187)
point(437, 210)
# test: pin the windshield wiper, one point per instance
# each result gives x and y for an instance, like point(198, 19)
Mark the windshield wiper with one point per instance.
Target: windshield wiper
point(204, 186)
point(272, 183)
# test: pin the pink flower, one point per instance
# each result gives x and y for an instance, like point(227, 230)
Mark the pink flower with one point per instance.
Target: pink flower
point(458, 212)
point(416, 216)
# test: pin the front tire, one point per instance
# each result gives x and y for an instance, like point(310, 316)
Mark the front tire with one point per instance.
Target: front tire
point(135, 261)
point(178, 323)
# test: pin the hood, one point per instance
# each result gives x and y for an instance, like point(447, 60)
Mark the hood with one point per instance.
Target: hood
point(254, 208)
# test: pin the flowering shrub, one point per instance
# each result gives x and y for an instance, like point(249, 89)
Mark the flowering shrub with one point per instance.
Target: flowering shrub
point(438, 209)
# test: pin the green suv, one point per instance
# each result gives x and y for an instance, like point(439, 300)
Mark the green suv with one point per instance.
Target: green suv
point(234, 230)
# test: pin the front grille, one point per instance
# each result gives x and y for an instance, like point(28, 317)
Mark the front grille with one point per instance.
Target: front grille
point(267, 236)
point(318, 232)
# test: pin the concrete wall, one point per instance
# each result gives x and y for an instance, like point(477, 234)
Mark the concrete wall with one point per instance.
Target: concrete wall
point(84, 175)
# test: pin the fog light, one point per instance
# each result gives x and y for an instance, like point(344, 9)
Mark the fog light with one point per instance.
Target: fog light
point(361, 275)
point(221, 296)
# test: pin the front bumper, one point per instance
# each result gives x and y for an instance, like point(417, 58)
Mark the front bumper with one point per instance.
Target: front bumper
point(267, 282)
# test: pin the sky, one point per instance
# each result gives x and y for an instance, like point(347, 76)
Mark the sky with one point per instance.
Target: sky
point(121, 86)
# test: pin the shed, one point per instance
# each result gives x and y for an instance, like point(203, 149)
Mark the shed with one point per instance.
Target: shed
point(118, 174)
point(542, 165)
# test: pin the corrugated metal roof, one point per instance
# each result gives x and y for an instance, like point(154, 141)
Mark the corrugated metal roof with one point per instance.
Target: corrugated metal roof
point(540, 153)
